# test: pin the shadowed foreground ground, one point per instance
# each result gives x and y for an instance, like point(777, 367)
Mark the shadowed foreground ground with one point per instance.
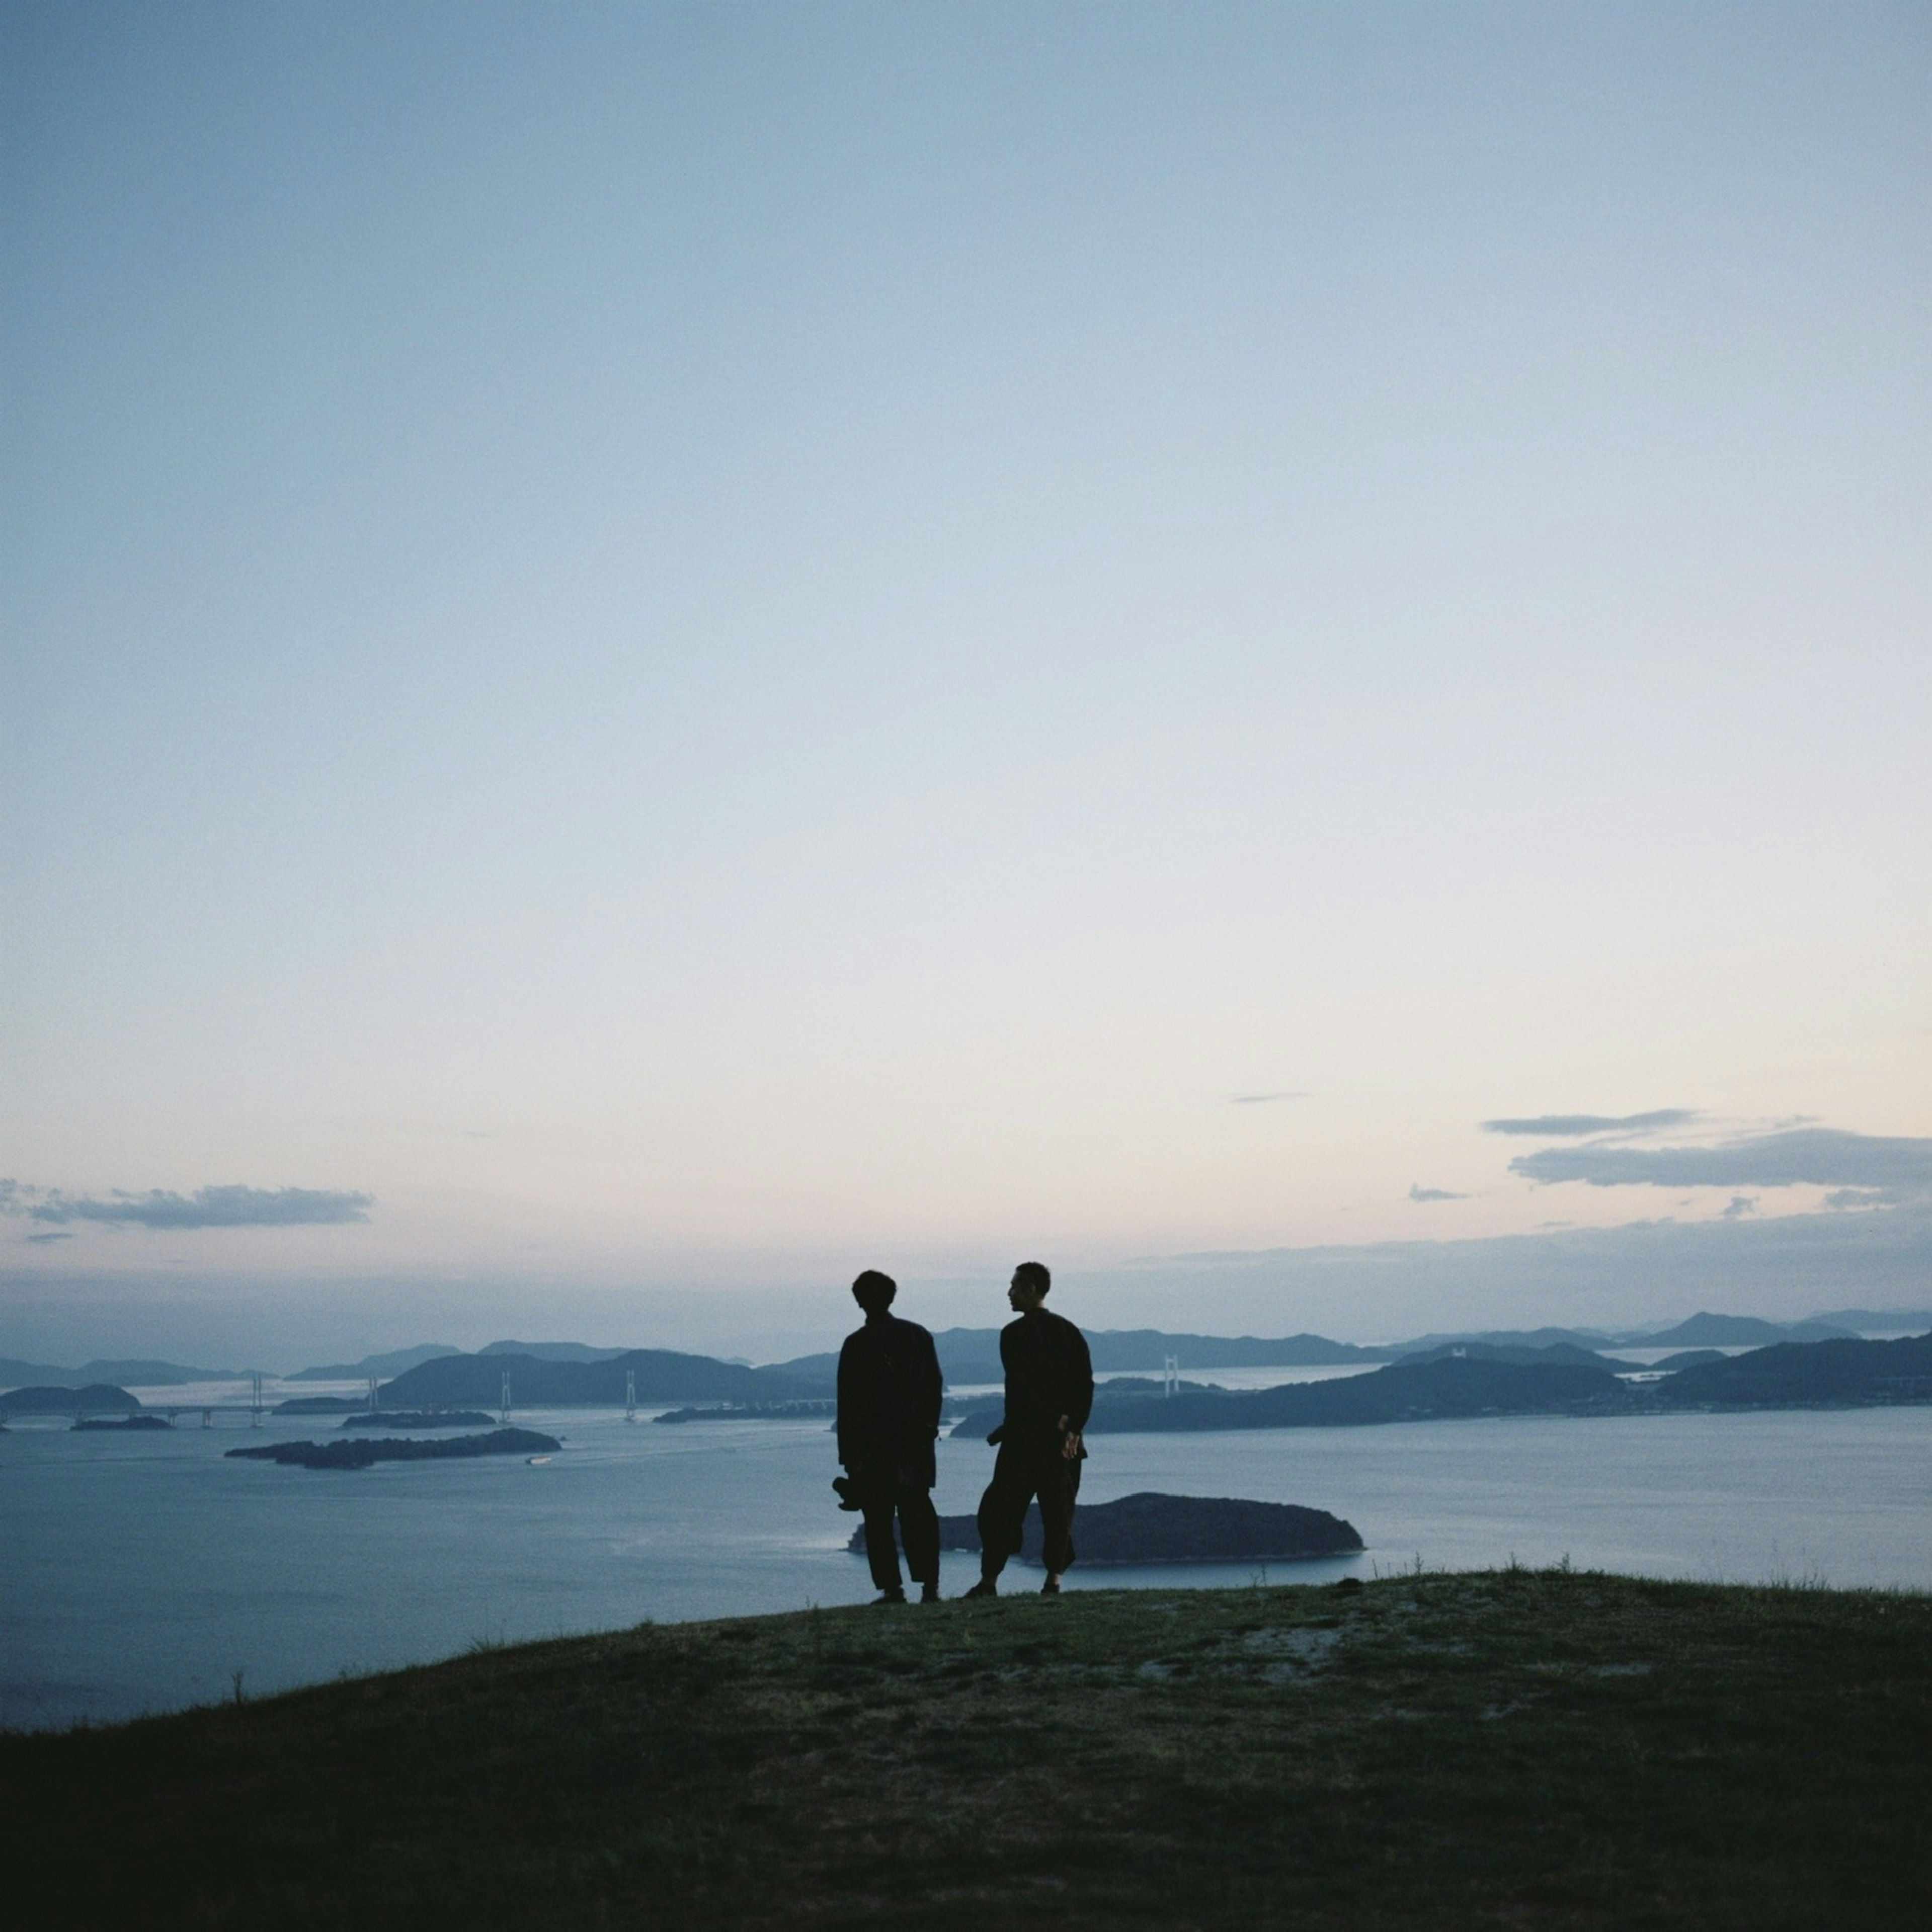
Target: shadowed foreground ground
point(1543, 1749)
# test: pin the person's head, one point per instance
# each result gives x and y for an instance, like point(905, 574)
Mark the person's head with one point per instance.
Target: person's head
point(874, 1292)
point(1028, 1287)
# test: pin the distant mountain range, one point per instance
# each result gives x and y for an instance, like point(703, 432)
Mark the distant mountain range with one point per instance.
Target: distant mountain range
point(1701, 1330)
point(147, 1374)
point(661, 1375)
point(1475, 1379)
point(58, 1399)
point(968, 1357)
point(1464, 1379)
point(398, 1359)
point(393, 1364)
point(1879, 1321)
point(1721, 1331)
point(1797, 1375)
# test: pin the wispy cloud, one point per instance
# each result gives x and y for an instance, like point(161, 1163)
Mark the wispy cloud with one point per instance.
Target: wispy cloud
point(207, 1207)
point(60, 1235)
point(1418, 1193)
point(1741, 1205)
point(1566, 1127)
point(1758, 1260)
point(1262, 1099)
point(1843, 1198)
point(1819, 1156)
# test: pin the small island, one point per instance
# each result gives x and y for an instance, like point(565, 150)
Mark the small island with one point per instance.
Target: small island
point(807, 1410)
point(418, 1418)
point(96, 1399)
point(1150, 1528)
point(123, 1422)
point(360, 1454)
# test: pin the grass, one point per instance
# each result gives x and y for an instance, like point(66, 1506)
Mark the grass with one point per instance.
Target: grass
point(1518, 1748)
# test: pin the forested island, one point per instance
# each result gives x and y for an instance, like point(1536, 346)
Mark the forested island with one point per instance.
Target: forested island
point(1562, 1380)
point(1150, 1528)
point(360, 1453)
point(656, 1375)
point(815, 1408)
point(418, 1418)
point(96, 1399)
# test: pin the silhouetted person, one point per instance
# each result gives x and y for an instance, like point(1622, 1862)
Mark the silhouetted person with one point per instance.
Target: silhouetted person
point(889, 1392)
point(1049, 1396)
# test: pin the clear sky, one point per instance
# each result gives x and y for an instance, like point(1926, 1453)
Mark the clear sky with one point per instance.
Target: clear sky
point(657, 653)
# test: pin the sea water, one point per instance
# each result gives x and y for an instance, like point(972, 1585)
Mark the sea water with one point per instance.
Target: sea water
point(142, 1573)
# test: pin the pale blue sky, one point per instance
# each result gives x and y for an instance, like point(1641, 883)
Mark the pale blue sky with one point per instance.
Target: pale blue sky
point(710, 645)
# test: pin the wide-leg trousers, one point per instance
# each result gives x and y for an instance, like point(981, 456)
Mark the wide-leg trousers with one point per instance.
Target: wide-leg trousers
point(1024, 1471)
point(919, 1531)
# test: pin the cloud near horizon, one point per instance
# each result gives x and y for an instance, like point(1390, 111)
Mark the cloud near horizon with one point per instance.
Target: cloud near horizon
point(1417, 1192)
point(1900, 1165)
point(1863, 1197)
point(1573, 1126)
point(235, 1207)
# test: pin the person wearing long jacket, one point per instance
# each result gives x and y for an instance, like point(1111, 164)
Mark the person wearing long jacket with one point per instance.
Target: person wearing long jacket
point(889, 1394)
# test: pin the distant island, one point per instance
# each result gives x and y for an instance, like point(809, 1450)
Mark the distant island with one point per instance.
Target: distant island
point(393, 1363)
point(96, 1399)
point(1446, 1382)
point(1805, 1375)
point(1151, 1528)
point(1688, 1358)
point(1501, 1380)
point(657, 1375)
point(148, 1373)
point(818, 1406)
point(967, 1356)
point(142, 1421)
point(359, 1454)
point(411, 1418)
point(568, 1374)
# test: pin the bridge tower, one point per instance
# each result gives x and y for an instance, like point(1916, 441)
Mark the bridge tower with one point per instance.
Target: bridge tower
point(1170, 1374)
point(630, 1395)
point(505, 1417)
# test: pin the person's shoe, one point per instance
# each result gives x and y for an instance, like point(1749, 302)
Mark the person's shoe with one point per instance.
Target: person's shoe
point(888, 1596)
point(986, 1587)
point(1051, 1588)
point(929, 1593)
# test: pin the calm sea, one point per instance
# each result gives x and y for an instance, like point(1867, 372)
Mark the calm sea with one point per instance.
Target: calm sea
point(141, 1572)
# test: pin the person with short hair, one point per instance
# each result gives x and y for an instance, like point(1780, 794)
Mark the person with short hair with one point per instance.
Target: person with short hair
point(1049, 1396)
point(890, 1392)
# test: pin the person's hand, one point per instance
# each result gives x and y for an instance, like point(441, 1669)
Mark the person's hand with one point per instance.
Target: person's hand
point(1070, 1448)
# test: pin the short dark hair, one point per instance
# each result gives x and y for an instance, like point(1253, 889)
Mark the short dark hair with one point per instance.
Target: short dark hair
point(873, 1291)
point(1033, 1275)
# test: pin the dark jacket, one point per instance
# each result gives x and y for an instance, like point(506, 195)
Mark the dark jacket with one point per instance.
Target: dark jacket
point(889, 1392)
point(1049, 1374)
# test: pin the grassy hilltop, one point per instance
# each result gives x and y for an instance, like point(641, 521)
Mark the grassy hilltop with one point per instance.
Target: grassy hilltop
point(1516, 1748)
